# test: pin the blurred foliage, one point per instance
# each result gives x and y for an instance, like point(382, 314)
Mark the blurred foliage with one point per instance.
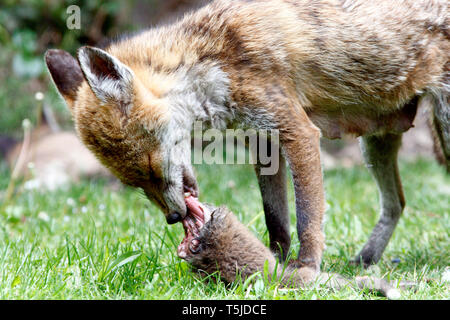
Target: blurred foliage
point(35, 25)
point(15, 101)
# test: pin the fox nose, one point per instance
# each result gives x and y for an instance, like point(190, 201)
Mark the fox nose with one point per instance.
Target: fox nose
point(173, 218)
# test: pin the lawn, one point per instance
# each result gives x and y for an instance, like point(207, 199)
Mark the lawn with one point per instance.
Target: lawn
point(99, 241)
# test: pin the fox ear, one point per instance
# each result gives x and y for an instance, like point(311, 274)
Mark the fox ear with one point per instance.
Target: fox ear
point(109, 79)
point(66, 73)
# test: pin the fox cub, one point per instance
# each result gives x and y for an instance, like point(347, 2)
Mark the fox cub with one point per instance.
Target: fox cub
point(307, 68)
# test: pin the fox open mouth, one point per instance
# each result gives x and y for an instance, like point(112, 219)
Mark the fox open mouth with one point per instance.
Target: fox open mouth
point(192, 224)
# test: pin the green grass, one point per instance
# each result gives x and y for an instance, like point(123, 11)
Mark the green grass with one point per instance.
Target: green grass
point(96, 241)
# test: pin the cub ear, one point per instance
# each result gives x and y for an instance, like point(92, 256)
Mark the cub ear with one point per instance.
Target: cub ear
point(66, 73)
point(109, 79)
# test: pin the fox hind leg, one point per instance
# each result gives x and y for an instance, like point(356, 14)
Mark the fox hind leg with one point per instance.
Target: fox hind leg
point(440, 126)
point(380, 156)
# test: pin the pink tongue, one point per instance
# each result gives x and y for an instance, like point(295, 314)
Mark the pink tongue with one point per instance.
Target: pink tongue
point(194, 206)
point(192, 224)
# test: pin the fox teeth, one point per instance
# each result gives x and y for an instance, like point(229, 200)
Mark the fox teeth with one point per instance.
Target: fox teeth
point(187, 194)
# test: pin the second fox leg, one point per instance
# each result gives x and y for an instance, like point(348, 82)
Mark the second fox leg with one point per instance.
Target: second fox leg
point(380, 156)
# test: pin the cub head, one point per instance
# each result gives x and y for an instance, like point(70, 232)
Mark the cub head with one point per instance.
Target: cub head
point(127, 124)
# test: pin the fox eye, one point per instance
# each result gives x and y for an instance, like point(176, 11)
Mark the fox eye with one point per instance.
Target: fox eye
point(151, 172)
point(149, 166)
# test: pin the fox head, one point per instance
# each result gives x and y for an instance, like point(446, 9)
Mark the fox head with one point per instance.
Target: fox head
point(127, 124)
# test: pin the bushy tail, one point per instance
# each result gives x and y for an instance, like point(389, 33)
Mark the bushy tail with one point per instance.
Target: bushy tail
point(439, 122)
point(372, 284)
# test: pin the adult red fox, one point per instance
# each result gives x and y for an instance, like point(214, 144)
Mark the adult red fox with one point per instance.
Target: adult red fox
point(303, 67)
